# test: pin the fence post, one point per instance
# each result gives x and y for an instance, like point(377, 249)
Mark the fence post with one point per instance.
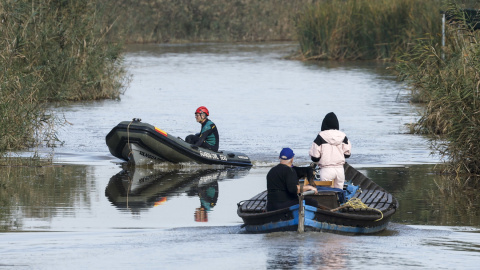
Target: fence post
point(443, 36)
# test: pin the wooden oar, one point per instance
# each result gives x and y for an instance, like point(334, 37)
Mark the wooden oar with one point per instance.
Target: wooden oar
point(301, 208)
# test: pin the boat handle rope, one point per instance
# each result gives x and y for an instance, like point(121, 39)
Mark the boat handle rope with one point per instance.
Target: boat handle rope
point(130, 182)
point(128, 137)
point(356, 203)
point(128, 134)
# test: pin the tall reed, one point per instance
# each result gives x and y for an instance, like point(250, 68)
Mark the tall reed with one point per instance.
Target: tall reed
point(448, 80)
point(161, 21)
point(364, 29)
point(52, 50)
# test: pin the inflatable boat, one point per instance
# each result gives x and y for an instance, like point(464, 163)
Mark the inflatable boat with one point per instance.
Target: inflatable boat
point(143, 144)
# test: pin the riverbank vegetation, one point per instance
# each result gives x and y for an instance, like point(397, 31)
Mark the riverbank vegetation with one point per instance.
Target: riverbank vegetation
point(447, 80)
point(161, 21)
point(52, 51)
point(409, 33)
point(364, 29)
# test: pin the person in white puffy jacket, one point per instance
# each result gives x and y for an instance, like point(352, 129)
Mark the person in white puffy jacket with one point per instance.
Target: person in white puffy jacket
point(329, 150)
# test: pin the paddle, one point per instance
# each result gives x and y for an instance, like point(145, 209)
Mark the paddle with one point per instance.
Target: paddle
point(301, 208)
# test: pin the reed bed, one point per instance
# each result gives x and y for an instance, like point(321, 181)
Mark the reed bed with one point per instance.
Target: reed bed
point(162, 21)
point(448, 79)
point(52, 51)
point(364, 29)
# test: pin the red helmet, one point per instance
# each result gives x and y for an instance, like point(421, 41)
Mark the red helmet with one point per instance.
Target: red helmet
point(202, 109)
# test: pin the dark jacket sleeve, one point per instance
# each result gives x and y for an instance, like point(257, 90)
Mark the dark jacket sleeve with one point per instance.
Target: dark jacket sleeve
point(345, 141)
point(292, 181)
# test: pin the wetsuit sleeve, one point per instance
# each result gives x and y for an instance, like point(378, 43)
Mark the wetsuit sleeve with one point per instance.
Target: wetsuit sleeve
point(204, 135)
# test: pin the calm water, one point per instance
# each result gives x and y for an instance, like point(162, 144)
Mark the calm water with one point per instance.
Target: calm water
point(87, 211)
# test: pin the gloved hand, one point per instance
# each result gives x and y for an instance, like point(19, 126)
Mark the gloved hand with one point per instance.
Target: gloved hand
point(194, 146)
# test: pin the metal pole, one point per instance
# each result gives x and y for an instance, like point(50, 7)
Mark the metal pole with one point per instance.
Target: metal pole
point(443, 36)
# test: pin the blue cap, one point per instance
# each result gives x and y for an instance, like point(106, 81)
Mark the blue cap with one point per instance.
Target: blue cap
point(286, 154)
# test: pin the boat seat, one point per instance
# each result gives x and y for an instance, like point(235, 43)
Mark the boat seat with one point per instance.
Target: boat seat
point(256, 204)
point(326, 198)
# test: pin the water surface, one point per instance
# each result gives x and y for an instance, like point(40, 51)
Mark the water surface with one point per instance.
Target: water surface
point(259, 101)
point(89, 211)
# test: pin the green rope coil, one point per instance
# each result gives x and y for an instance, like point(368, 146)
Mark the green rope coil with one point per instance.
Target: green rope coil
point(356, 203)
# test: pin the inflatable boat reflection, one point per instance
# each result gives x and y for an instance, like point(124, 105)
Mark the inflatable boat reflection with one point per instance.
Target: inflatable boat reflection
point(207, 191)
point(139, 189)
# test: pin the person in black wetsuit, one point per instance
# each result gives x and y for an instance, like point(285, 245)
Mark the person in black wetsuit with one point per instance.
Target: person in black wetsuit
point(208, 137)
point(283, 185)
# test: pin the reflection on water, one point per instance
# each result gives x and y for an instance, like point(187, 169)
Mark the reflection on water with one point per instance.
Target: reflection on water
point(42, 193)
point(138, 189)
point(459, 197)
point(315, 251)
point(400, 247)
point(208, 194)
point(427, 198)
point(68, 197)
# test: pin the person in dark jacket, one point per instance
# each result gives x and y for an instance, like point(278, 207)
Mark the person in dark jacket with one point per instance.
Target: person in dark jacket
point(208, 137)
point(283, 185)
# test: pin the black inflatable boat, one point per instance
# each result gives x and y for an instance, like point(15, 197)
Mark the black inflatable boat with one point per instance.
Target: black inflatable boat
point(144, 144)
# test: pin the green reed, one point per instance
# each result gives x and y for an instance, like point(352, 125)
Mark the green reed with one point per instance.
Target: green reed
point(448, 79)
point(364, 29)
point(52, 50)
